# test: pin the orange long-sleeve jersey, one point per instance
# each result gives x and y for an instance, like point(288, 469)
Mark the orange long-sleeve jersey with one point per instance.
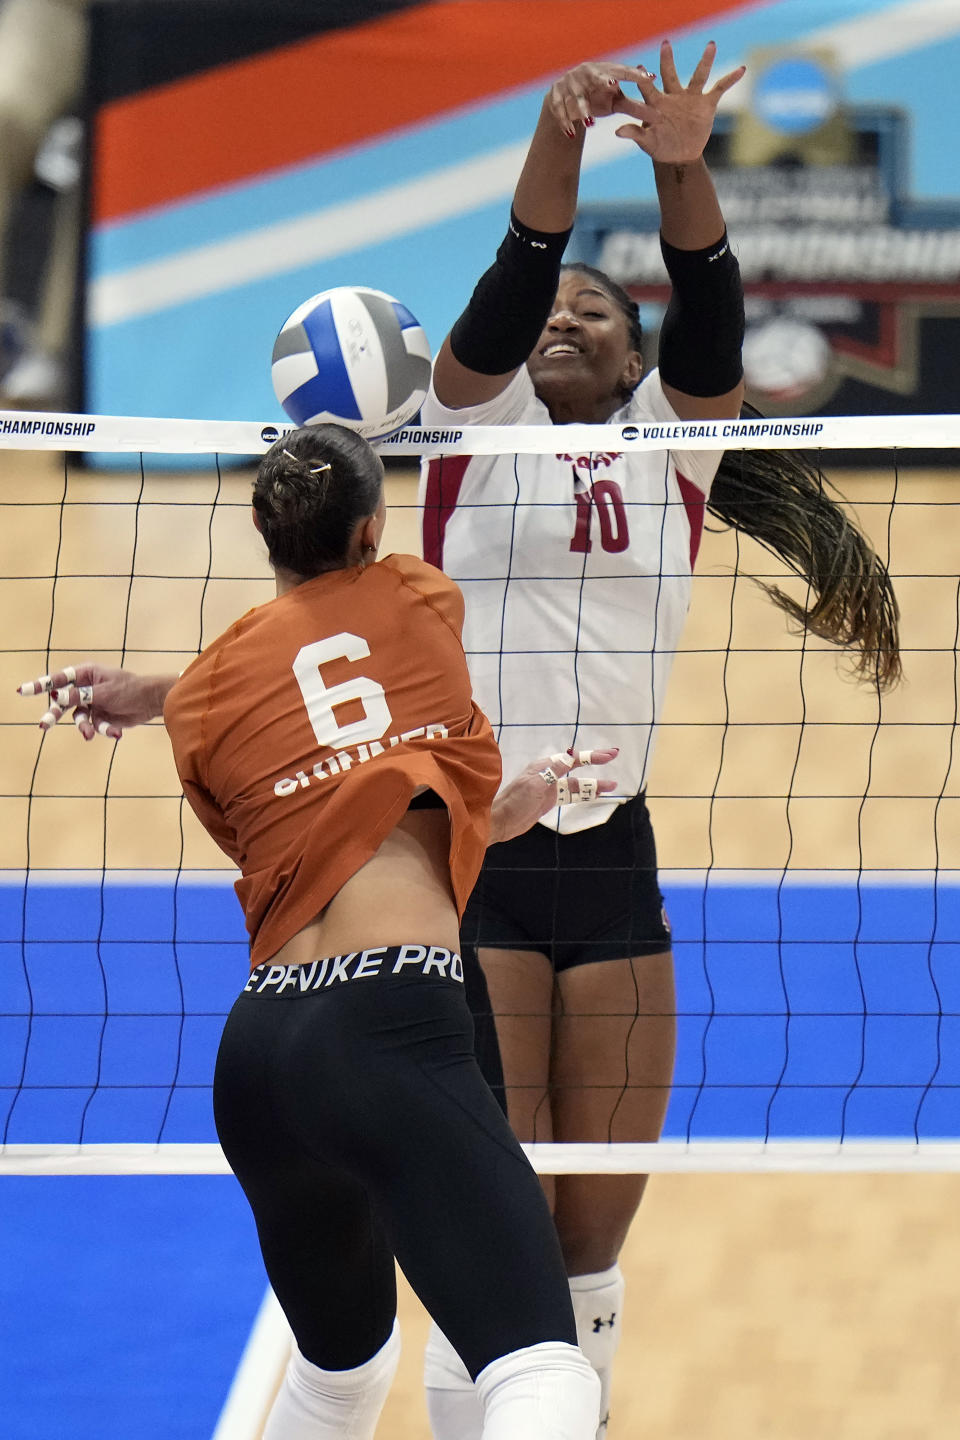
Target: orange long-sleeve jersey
point(301, 734)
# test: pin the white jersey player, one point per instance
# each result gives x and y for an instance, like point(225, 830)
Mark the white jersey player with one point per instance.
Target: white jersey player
point(575, 570)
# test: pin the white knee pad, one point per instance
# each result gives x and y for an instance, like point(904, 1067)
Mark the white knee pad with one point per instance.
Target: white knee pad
point(598, 1309)
point(315, 1404)
point(543, 1392)
point(442, 1367)
point(453, 1404)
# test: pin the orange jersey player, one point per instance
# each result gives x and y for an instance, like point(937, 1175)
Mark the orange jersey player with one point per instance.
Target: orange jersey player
point(302, 735)
point(330, 745)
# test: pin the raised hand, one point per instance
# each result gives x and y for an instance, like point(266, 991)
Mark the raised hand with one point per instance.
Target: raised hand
point(104, 700)
point(676, 121)
point(544, 784)
point(593, 89)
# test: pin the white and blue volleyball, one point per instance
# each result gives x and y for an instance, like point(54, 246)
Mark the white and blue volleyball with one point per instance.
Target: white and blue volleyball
point(353, 356)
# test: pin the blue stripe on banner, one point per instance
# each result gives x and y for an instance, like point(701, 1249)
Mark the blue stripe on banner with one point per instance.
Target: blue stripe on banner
point(814, 1011)
point(413, 152)
point(289, 193)
point(224, 368)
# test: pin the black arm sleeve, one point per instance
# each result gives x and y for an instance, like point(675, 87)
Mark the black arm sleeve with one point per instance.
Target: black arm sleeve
point(511, 302)
point(701, 337)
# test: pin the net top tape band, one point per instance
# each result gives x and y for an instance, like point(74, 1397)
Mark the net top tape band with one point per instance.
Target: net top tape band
point(666, 1157)
point(127, 434)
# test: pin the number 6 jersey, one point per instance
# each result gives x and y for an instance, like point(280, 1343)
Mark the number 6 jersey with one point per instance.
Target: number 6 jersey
point(301, 734)
point(575, 571)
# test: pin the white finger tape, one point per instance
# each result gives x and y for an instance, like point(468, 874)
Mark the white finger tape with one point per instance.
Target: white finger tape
point(86, 694)
point(70, 674)
point(584, 756)
point(103, 727)
point(588, 788)
point(548, 776)
point(559, 759)
point(50, 718)
point(29, 687)
point(62, 697)
point(564, 797)
point(44, 684)
point(80, 717)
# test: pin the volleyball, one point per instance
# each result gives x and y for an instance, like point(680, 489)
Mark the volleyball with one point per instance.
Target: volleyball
point(354, 356)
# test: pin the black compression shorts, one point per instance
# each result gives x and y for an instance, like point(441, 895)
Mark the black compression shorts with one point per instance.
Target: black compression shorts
point(591, 895)
point(352, 1111)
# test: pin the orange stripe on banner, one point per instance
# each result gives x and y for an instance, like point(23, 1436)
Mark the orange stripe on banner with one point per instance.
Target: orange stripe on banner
point(306, 99)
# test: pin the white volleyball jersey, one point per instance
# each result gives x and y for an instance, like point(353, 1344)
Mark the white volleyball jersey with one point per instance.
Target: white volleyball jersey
point(576, 573)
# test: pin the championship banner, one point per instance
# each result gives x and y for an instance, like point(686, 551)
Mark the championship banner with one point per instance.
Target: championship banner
point(852, 284)
point(242, 159)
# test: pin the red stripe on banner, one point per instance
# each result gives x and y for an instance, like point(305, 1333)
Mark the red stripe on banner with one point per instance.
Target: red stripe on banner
point(695, 504)
point(315, 96)
point(444, 479)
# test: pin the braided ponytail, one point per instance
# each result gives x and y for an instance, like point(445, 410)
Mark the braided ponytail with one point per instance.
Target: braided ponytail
point(782, 501)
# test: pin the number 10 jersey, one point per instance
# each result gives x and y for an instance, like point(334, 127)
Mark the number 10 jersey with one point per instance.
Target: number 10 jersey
point(575, 570)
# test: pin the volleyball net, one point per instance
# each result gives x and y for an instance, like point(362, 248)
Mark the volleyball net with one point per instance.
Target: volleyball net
point(807, 828)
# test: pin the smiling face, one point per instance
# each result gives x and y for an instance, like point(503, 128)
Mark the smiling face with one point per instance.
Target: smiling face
point(584, 366)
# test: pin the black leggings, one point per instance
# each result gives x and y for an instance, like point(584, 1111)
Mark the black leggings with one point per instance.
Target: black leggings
point(351, 1109)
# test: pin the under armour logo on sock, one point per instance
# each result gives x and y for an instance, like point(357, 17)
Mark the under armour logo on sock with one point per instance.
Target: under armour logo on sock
point(599, 1322)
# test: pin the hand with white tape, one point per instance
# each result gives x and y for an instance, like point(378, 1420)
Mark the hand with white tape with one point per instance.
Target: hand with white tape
point(544, 784)
point(104, 700)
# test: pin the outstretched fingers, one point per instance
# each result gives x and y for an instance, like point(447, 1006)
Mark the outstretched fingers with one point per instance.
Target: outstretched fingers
point(704, 65)
point(62, 689)
point(588, 787)
point(44, 684)
point(637, 109)
point(668, 69)
point(672, 83)
point(70, 689)
point(571, 789)
point(639, 134)
point(727, 82)
point(602, 756)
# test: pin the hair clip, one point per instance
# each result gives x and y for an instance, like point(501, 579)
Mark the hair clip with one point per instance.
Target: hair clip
point(314, 469)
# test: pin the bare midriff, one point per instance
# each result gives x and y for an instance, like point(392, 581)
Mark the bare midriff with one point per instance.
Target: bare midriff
point(401, 896)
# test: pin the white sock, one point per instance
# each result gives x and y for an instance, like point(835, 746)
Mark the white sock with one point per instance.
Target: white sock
point(598, 1308)
point(315, 1404)
point(543, 1392)
point(453, 1405)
